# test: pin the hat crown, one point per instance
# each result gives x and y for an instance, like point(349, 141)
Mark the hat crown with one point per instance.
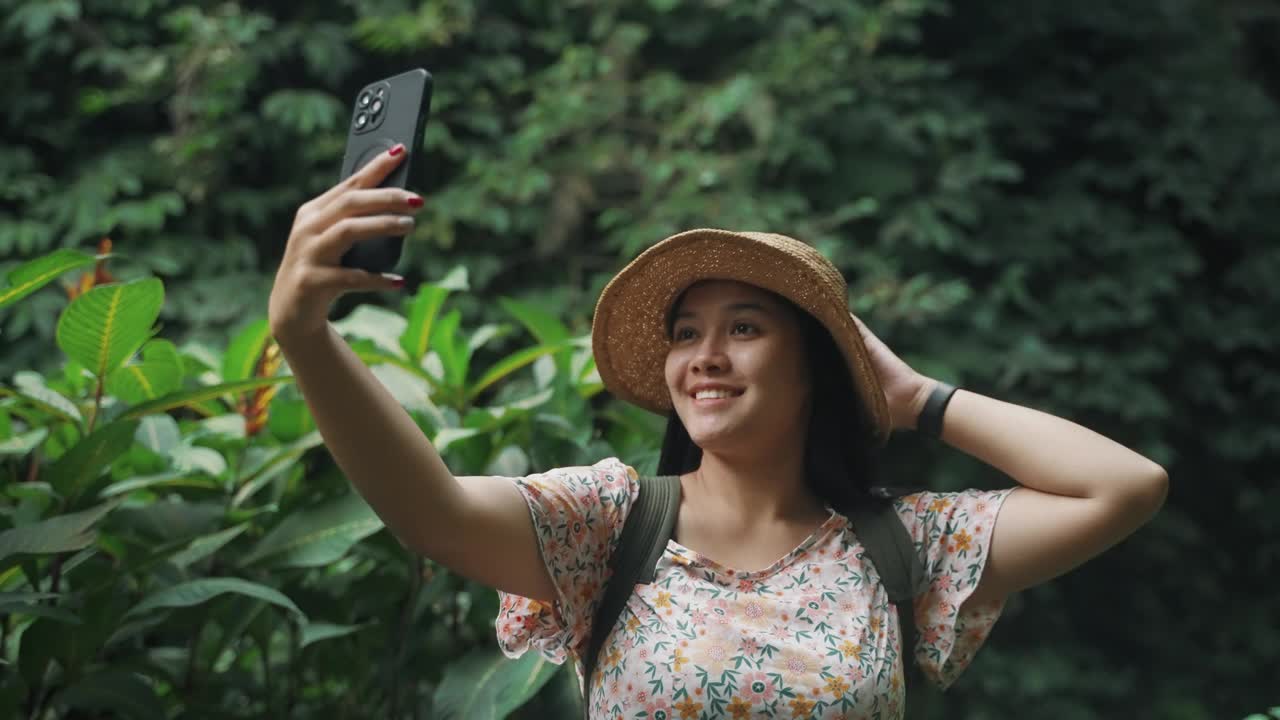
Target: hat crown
point(816, 260)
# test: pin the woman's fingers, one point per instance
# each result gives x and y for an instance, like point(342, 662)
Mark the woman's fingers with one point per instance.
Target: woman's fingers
point(316, 219)
point(337, 280)
point(369, 176)
point(334, 242)
point(377, 169)
point(310, 274)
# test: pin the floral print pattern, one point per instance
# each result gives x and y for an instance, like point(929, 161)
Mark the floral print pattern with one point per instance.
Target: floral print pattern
point(811, 636)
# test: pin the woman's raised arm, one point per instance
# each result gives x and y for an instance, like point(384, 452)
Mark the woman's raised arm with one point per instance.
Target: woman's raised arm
point(481, 528)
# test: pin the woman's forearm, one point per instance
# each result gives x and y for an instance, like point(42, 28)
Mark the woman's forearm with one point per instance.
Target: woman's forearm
point(374, 441)
point(1048, 453)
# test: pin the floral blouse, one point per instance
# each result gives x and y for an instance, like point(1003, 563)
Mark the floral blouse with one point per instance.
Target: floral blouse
point(811, 636)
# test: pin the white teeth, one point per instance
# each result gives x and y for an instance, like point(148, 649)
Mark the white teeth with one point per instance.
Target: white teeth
point(714, 394)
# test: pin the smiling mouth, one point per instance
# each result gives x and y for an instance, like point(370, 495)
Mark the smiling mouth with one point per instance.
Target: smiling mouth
point(716, 395)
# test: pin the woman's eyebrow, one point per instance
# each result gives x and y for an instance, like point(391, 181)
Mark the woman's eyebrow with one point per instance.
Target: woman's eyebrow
point(735, 306)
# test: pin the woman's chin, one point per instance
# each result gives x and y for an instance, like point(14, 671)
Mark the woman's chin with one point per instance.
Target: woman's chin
point(716, 436)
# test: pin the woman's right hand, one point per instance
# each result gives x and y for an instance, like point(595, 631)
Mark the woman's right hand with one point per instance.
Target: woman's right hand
point(311, 275)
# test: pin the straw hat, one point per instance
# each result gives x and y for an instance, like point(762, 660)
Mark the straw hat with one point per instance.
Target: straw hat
point(628, 332)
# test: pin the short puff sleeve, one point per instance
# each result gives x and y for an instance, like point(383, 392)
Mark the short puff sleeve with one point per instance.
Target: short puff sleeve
point(952, 532)
point(578, 514)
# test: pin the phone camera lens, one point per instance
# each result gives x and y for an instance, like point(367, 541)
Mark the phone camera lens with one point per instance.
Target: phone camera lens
point(364, 99)
point(376, 108)
point(362, 120)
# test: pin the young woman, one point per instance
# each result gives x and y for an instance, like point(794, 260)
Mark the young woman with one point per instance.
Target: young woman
point(777, 401)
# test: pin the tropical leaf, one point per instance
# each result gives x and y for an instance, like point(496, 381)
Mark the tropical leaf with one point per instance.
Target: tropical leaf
point(158, 433)
point(452, 350)
point(510, 364)
point(191, 398)
point(486, 685)
point(87, 459)
point(241, 359)
point(23, 443)
point(31, 276)
point(425, 306)
point(543, 325)
point(169, 478)
point(318, 535)
point(200, 591)
point(206, 545)
point(378, 325)
point(270, 463)
point(107, 324)
point(61, 533)
point(31, 387)
point(157, 374)
point(318, 632)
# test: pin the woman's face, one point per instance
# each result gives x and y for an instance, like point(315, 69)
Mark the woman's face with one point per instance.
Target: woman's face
point(739, 336)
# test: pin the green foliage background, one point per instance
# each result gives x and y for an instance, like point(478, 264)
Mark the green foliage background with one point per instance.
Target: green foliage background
point(1070, 206)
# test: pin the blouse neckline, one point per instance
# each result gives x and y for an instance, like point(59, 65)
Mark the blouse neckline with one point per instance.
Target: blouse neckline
point(715, 570)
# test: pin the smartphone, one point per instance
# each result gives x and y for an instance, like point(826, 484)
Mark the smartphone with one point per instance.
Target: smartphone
point(386, 112)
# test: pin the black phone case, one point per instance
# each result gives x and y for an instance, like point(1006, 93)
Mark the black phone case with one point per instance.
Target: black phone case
point(388, 111)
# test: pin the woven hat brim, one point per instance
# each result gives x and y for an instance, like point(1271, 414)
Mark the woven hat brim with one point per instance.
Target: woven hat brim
point(628, 334)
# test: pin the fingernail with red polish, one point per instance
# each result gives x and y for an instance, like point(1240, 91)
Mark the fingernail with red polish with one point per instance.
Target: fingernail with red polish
point(414, 201)
point(396, 150)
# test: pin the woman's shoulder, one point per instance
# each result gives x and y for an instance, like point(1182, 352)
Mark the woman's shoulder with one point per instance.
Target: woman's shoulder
point(609, 481)
point(609, 470)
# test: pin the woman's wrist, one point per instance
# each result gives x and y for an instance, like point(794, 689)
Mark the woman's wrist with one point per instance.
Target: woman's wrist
point(929, 419)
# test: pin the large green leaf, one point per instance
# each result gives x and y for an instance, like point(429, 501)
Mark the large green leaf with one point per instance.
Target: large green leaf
point(158, 433)
point(206, 545)
point(32, 388)
point(423, 310)
point(318, 632)
point(318, 535)
point(169, 478)
point(87, 459)
point(451, 349)
point(544, 326)
point(510, 364)
point(157, 374)
point(241, 358)
point(265, 464)
point(104, 326)
point(199, 591)
point(192, 398)
point(123, 693)
point(486, 685)
point(23, 443)
point(29, 277)
point(378, 325)
point(62, 533)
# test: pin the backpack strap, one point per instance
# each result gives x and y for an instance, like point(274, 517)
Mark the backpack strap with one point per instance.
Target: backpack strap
point(894, 555)
point(650, 523)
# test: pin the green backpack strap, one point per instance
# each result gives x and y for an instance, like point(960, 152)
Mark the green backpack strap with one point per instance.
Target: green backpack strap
point(649, 526)
point(901, 571)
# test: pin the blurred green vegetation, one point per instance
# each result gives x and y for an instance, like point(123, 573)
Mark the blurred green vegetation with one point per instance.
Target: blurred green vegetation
point(1066, 206)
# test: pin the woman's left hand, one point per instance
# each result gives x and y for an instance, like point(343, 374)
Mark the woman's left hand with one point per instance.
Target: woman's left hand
point(904, 389)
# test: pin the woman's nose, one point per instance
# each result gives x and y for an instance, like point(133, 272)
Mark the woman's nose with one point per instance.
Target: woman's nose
point(710, 354)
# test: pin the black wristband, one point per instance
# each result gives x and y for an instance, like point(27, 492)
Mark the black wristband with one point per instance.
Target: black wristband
point(930, 420)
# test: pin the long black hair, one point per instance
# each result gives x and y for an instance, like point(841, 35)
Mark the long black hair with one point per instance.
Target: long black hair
point(840, 454)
